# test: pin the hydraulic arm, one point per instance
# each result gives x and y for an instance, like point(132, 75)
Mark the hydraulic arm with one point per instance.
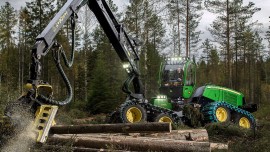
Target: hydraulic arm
point(39, 94)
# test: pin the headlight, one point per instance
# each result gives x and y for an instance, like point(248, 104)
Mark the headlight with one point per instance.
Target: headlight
point(162, 97)
point(126, 65)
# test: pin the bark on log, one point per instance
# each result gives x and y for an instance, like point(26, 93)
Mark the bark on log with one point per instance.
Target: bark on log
point(77, 149)
point(191, 135)
point(135, 144)
point(112, 128)
point(221, 146)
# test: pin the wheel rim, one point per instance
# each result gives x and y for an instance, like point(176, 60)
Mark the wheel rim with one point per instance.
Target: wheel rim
point(221, 114)
point(134, 114)
point(244, 122)
point(165, 119)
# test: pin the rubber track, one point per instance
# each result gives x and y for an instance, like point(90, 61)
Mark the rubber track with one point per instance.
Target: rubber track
point(152, 109)
point(210, 109)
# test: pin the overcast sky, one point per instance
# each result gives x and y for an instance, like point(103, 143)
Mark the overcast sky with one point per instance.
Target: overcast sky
point(262, 16)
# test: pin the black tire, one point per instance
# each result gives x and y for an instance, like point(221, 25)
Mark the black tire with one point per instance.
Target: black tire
point(244, 121)
point(222, 114)
point(133, 114)
point(164, 118)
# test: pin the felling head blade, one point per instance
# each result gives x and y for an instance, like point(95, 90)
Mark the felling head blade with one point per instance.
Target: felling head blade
point(44, 120)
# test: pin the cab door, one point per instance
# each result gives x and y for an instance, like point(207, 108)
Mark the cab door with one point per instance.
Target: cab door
point(189, 79)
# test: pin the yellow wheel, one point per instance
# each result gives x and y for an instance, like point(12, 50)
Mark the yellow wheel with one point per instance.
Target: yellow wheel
point(163, 118)
point(222, 114)
point(244, 122)
point(134, 114)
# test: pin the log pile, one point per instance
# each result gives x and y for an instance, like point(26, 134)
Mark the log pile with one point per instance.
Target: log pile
point(130, 137)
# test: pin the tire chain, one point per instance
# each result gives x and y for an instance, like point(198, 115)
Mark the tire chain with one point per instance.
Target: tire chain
point(153, 109)
point(209, 111)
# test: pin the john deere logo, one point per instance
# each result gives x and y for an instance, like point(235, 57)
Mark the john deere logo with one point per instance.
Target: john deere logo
point(61, 19)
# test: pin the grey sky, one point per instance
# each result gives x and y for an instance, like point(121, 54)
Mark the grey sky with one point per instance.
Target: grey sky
point(14, 3)
point(262, 16)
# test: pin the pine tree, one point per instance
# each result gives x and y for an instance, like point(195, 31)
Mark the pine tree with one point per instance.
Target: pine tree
point(40, 14)
point(149, 25)
point(184, 19)
point(8, 49)
point(7, 21)
point(212, 65)
point(190, 20)
point(232, 16)
point(24, 45)
point(176, 9)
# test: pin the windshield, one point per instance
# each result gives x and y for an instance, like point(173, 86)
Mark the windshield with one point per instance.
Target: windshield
point(198, 92)
point(173, 73)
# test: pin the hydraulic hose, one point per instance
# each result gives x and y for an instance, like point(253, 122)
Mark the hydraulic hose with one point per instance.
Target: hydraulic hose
point(126, 84)
point(73, 25)
point(69, 91)
point(56, 56)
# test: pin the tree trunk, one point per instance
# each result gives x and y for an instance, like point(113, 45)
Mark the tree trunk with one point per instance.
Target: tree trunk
point(229, 64)
point(76, 149)
point(178, 29)
point(199, 135)
point(192, 135)
point(136, 144)
point(112, 128)
point(187, 30)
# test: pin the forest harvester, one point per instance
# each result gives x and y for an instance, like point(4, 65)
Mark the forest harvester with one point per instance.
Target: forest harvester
point(180, 103)
point(216, 103)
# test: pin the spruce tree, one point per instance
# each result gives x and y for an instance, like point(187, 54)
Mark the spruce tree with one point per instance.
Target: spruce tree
point(107, 74)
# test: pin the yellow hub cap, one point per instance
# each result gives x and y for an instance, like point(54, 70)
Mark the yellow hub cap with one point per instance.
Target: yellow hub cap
point(244, 122)
point(134, 114)
point(221, 114)
point(165, 119)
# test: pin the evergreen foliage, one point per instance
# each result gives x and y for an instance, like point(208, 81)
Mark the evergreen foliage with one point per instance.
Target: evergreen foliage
point(235, 55)
point(97, 75)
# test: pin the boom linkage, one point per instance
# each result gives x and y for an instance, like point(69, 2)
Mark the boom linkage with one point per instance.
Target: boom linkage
point(122, 43)
point(45, 40)
point(38, 96)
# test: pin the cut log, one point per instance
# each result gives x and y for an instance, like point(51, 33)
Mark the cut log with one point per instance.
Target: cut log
point(134, 144)
point(190, 135)
point(215, 146)
point(76, 149)
point(112, 128)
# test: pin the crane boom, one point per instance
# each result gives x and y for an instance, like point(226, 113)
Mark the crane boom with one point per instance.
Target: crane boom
point(39, 93)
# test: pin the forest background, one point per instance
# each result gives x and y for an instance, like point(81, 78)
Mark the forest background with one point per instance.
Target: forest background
point(233, 56)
